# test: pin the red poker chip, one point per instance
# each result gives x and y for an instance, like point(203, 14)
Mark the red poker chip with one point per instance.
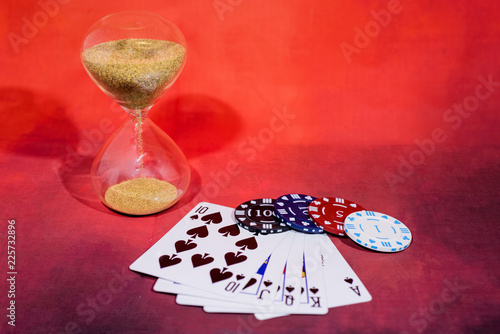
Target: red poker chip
point(329, 213)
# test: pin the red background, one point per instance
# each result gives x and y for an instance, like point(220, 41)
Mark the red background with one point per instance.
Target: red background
point(353, 131)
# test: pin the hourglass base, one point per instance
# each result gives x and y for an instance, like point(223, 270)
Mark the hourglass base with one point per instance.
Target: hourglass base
point(141, 196)
point(140, 170)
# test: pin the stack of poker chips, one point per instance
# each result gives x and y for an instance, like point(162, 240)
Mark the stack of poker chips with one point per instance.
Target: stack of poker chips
point(373, 230)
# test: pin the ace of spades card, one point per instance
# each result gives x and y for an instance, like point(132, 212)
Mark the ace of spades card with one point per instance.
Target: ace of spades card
point(207, 250)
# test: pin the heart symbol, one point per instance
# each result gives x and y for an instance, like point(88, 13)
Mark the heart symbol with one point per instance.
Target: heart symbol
point(167, 261)
point(213, 218)
point(314, 290)
point(229, 230)
point(233, 258)
point(219, 275)
point(201, 260)
point(194, 217)
point(251, 282)
point(268, 283)
point(249, 243)
point(200, 232)
point(181, 245)
point(238, 277)
point(290, 288)
point(349, 280)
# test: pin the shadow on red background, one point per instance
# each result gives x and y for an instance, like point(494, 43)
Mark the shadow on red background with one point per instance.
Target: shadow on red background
point(34, 124)
point(199, 124)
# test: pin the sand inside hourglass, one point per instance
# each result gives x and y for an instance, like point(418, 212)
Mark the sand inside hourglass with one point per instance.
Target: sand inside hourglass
point(135, 72)
point(140, 196)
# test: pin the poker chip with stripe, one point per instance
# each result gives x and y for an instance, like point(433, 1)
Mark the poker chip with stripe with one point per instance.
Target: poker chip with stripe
point(329, 213)
point(292, 209)
point(257, 215)
point(377, 231)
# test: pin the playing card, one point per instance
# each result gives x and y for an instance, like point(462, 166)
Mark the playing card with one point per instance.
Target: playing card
point(287, 275)
point(258, 287)
point(287, 298)
point(343, 285)
point(258, 292)
point(313, 292)
point(207, 250)
point(310, 299)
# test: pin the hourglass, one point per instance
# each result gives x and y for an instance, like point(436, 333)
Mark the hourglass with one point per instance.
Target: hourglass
point(134, 57)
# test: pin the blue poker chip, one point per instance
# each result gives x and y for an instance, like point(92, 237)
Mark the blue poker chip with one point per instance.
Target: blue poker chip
point(377, 231)
point(292, 209)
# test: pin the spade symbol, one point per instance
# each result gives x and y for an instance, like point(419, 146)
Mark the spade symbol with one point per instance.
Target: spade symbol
point(314, 290)
point(267, 283)
point(251, 282)
point(229, 230)
point(290, 288)
point(233, 258)
point(200, 232)
point(194, 217)
point(181, 245)
point(201, 260)
point(219, 275)
point(167, 260)
point(213, 218)
point(249, 243)
point(349, 280)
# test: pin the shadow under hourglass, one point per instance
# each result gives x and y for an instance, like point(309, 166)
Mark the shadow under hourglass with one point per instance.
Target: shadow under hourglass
point(199, 124)
point(34, 124)
point(37, 125)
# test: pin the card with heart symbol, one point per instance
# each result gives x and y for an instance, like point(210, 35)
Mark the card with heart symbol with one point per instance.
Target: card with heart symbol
point(207, 250)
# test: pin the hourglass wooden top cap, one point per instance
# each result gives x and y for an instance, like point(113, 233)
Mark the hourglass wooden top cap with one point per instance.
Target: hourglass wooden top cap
point(132, 24)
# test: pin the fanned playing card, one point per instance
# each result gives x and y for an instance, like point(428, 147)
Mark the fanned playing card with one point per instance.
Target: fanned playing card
point(207, 250)
point(343, 285)
point(259, 287)
point(307, 278)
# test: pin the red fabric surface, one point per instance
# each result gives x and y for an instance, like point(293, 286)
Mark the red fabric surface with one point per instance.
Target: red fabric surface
point(402, 118)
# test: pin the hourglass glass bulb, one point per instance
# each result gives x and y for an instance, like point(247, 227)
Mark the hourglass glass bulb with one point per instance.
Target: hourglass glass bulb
point(134, 57)
point(140, 170)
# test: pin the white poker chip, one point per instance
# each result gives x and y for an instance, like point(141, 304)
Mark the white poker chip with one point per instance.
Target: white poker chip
point(377, 231)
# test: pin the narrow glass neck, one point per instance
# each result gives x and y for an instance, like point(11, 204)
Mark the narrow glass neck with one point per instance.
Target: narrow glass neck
point(137, 113)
